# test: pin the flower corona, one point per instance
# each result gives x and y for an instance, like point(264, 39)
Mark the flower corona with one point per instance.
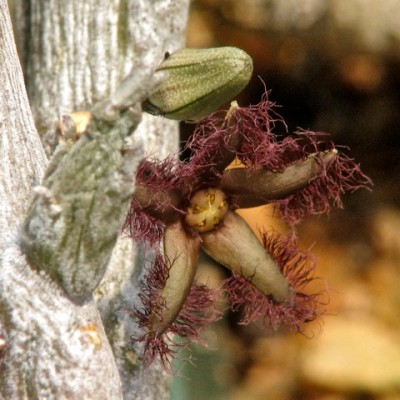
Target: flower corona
point(207, 209)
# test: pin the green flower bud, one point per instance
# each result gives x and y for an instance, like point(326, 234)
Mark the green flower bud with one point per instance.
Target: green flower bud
point(199, 81)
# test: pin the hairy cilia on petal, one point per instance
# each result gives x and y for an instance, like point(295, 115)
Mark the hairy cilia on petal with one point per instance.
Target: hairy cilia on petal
point(298, 268)
point(173, 303)
point(340, 176)
point(252, 188)
point(158, 187)
point(235, 245)
point(180, 253)
point(197, 311)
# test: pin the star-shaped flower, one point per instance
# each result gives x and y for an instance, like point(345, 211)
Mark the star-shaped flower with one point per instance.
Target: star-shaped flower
point(191, 204)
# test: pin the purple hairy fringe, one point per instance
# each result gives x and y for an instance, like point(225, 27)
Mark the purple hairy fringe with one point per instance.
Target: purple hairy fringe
point(170, 174)
point(153, 303)
point(252, 125)
point(142, 227)
point(197, 311)
point(325, 191)
point(298, 268)
point(159, 174)
point(260, 148)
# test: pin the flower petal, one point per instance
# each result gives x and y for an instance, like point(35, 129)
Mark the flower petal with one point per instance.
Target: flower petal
point(172, 303)
point(181, 253)
point(253, 188)
point(235, 245)
point(298, 267)
point(324, 192)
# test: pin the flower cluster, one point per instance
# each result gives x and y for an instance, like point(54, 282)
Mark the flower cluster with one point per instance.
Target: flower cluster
point(191, 204)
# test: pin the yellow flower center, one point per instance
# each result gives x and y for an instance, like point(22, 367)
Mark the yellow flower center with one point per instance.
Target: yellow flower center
point(207, 209)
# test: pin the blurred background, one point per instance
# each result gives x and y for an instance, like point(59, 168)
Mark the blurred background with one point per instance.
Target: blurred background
point(333, 66)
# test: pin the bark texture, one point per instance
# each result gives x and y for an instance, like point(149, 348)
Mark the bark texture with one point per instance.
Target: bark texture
point(58, 347)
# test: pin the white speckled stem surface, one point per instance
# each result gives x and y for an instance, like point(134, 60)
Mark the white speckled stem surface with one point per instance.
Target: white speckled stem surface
point(74, 54)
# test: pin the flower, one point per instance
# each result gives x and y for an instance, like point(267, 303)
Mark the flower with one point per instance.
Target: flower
point(191, 204)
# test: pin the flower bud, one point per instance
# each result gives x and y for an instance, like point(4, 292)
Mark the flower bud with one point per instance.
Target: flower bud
point(199, 81)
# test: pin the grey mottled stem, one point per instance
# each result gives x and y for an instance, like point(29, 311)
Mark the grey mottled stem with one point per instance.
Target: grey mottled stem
point(73, 223)
point(77, 54)
point(22, 159)
point(47, 346)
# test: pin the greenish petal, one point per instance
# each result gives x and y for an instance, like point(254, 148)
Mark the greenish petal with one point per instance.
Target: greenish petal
point(181, 255)
point(252, 188)
point(236, 246)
